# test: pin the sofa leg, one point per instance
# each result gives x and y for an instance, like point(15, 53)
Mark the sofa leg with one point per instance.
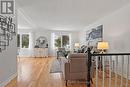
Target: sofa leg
point(92, 80)
point(66, 83)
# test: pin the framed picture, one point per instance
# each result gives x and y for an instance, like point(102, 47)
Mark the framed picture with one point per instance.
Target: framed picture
point(41, 42)
point(94, 35)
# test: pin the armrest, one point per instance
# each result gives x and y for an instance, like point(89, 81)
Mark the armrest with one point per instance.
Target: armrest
point(67, 70)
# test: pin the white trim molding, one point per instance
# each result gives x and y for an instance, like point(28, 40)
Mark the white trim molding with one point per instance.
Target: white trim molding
point(3, 84)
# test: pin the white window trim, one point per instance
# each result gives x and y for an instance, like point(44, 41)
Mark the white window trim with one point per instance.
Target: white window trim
point(20, 34)
point(61, 34)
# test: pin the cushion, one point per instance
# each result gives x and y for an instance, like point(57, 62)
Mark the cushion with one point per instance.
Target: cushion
point(78, 55)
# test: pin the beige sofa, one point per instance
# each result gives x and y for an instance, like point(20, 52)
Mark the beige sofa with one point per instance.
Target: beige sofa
point(76, 67)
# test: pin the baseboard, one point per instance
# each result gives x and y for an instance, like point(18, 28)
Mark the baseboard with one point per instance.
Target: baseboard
point(3, 84)
point(25, 56)
point(33, 57)
point(124, 75)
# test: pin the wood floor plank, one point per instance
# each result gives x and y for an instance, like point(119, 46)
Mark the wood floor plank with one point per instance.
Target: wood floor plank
point(35, 72)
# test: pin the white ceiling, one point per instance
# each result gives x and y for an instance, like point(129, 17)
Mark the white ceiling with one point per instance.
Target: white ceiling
point(64, 14)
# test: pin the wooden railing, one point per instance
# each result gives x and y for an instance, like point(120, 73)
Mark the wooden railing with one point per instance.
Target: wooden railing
point(109, 68)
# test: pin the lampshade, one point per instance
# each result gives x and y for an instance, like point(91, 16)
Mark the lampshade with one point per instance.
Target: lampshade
point(103, 45)
point(77, 45)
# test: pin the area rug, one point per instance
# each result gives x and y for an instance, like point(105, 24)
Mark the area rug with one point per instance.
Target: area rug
point(56, 66)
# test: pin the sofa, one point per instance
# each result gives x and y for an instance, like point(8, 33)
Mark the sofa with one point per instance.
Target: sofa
point(76, 67)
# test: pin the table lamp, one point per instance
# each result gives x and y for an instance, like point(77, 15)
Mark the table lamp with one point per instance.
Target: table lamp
point(77, 45)
point(103, 46)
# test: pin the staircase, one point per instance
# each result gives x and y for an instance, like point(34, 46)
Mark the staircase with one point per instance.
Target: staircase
point(109, 74)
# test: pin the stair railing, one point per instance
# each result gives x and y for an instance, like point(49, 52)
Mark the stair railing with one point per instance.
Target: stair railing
point(111, 70)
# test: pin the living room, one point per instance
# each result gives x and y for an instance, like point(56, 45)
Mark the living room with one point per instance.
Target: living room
point(64, 24)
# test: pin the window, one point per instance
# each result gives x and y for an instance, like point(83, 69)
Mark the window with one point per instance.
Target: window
point(58, 41)
point(23, 40)
point(65, 41)
point(18, 40)
point(62, 41)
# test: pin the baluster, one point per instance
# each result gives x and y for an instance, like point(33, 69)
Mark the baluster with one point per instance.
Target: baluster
point(122, 71)
point(89, 68)
point(116, 68)
point(110, 64)
point(127, 71)
point(97, 71)
point(103, 75)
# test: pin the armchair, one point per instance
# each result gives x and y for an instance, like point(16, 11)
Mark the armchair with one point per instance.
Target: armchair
point(76, 68)
point(62, 52)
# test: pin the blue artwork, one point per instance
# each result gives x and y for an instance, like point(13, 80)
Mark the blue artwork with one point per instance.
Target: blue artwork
point(95, 33)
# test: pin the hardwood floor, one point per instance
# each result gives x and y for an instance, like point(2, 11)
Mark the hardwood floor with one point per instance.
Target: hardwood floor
point(35, 72)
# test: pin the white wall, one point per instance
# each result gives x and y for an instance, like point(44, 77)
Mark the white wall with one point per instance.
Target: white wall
point(116, 31)
point(8, 64)
point(35, 33)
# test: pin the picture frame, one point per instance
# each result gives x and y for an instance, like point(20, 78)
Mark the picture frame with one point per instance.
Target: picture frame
point(94, 35)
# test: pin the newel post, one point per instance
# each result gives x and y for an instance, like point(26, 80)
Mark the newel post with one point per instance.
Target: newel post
point(89, 68)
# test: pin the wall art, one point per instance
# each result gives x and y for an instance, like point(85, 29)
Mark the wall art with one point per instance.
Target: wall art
point(94, 35)
point(41, 42)
point(7, 31)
